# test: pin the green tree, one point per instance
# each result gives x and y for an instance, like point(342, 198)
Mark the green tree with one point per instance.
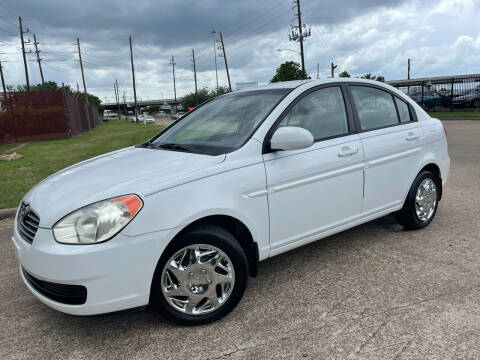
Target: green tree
point(190, 100)
point(289, 70)
point(369, 76)
point(344, 74)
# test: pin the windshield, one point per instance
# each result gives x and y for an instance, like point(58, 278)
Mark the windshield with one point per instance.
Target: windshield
point(221, 125)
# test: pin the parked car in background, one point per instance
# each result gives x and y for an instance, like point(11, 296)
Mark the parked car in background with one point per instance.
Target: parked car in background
point(182, 220)
point(432, 100)
point(470, 99)
point(177, 115)
point(148, 120)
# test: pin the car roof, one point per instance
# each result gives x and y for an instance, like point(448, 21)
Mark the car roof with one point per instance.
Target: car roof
point(295, 83)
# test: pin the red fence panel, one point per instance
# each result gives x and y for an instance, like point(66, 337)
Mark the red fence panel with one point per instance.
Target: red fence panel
point(81, 117)
point(32, 116)
point(43, 115)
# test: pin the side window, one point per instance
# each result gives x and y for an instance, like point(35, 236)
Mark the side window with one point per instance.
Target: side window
point(403, 111)
point(322, 112)
point(375, 107)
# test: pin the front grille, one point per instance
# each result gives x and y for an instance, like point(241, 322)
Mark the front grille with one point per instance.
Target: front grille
point(27, 223)
point(65, 294)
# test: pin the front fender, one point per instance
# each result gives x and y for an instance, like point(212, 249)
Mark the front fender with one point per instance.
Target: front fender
point(228, 193)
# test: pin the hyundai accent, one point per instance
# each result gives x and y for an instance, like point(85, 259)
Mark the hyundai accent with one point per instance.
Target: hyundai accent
point(181, 221)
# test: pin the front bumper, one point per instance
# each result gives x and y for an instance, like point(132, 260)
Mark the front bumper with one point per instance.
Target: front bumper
point(117, 273)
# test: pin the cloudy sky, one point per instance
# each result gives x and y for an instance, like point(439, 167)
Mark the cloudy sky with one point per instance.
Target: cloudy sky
point(442, 37)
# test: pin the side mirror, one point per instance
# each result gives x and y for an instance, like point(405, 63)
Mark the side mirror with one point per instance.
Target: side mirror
point(291, 138)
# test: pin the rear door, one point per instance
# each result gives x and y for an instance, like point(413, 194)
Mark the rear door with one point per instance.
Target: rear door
point(391, 139)
point(319, 188)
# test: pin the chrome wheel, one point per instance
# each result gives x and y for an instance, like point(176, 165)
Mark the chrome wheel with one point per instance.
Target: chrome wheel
point(426, 200)
point(197, 279)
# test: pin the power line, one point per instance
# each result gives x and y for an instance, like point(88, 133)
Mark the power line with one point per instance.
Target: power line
point(255, 39)
point(252, 21)
point(324, 43)
point(9, 21)
point(54, 69)
point(10, 11)
point(267, 23)
point(1, 28)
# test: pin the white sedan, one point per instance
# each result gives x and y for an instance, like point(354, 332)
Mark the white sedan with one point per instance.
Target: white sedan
point(182, 220)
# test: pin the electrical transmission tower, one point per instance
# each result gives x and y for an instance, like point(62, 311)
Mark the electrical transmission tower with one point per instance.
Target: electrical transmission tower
point(299, 33)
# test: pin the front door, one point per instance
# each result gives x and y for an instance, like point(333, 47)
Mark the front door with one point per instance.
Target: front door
point(313, 190)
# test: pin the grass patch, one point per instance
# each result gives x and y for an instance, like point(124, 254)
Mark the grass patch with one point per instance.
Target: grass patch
point(43, 158)
point(456, 114)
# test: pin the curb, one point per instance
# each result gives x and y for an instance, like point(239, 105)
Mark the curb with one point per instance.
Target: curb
point(7, 213)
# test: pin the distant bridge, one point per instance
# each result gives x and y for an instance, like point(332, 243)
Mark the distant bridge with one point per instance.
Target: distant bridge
point(167, 105)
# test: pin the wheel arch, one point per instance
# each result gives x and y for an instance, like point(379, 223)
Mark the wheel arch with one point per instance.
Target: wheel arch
point(237, 228)
point(434, 168)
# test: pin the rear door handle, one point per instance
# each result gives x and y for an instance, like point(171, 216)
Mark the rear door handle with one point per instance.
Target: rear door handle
point(347, 151)
point(412, 136)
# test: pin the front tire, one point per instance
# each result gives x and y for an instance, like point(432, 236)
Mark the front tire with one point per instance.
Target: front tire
point(200, 277)
point(421, 203)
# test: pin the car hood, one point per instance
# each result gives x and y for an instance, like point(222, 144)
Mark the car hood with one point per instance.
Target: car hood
point(131, 170)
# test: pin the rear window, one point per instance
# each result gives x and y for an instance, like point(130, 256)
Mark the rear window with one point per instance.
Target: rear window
point(375, 107)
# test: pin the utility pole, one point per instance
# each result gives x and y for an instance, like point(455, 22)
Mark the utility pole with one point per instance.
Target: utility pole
point(38, 57)
point(125, 105)
point(297, 33)
point(213, 32)
point(78, 89)
point(195, 77)
point(332, 68)
point(226, 64)
point(3, 81)
point(23, 51)
point(318, 70)
point(172, 62)
point(84, 85)
point(81, 68)
point(117, 96)
point(133, 76)
point(408, 77)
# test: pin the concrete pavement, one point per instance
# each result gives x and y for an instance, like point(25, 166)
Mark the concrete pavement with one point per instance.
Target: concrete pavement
point(373, 292)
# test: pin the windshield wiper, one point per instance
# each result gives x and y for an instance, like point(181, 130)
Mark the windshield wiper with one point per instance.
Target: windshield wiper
point(175, 147)
point(148, 144)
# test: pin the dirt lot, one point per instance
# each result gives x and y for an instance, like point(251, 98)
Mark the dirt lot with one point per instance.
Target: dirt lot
point(373, 292)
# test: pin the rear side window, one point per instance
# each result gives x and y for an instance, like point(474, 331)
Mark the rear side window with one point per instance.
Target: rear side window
point(403, 111)
point(322, 112)
point(375, 107)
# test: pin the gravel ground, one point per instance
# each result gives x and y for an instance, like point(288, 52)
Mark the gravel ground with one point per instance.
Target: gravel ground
point(373, 292)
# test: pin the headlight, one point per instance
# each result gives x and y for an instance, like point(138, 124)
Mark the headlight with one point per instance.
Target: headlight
point(97, 222)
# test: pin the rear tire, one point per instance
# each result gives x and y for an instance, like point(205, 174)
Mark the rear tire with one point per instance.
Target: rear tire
point(197, 281)
point(421, 203)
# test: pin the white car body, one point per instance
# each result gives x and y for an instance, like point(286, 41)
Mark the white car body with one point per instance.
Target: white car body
point(284, 198)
